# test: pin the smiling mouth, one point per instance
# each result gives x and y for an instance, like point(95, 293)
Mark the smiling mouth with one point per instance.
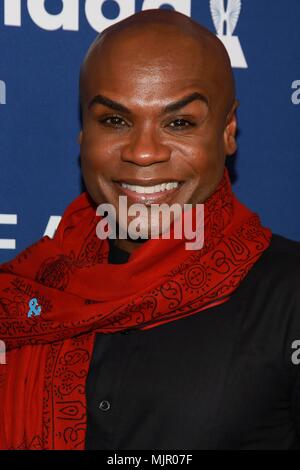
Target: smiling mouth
point(158, 188)
point(146, 193)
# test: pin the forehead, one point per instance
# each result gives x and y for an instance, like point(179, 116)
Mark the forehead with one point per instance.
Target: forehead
point(159, 64)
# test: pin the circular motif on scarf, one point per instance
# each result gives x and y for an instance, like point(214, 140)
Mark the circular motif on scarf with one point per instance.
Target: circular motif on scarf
point(55, 272)
point(196, 276)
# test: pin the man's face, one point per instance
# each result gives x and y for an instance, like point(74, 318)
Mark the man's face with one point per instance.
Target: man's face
point(153, 115)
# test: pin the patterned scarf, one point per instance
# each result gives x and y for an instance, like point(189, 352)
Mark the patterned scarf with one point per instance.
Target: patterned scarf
point(42, 384)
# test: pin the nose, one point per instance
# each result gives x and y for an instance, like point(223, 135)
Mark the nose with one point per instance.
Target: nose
point(145, 148)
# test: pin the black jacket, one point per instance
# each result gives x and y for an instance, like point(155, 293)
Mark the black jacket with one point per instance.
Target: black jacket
point(219, 379)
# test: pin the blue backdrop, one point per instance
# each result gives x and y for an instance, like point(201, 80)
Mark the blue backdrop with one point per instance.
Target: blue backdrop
point(42, 45)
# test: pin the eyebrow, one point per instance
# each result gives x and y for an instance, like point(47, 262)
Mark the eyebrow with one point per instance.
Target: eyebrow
point(100, 99)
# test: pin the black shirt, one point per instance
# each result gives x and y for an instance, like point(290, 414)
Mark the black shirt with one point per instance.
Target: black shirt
point(219, 379)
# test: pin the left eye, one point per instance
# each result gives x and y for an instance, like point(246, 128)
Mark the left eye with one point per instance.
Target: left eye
point(180, 124)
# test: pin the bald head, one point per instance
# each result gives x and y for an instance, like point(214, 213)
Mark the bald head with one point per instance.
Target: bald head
point(171, 39)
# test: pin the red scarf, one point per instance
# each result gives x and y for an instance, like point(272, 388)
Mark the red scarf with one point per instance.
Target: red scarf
point(42, 386)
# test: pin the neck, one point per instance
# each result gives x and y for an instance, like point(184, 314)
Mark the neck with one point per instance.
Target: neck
point(128, 245)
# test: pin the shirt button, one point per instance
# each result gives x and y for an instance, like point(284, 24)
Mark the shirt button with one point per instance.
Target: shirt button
point(104, 405)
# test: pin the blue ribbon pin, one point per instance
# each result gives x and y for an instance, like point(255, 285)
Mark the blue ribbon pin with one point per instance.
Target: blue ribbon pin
point(34, 308)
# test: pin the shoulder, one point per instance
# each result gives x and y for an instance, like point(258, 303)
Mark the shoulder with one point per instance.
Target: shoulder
point(275, 277)
point(280, 273)
point(281, 260)
point(281, 246)
point(271, 295)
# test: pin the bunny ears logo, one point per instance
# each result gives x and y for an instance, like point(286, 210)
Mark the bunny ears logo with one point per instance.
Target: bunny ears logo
point(225, 22)
point(67, 16)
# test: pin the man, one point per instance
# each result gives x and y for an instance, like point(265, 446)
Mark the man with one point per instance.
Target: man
point(142, 344)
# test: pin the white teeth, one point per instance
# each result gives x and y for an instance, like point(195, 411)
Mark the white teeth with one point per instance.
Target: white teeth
point(151, 189)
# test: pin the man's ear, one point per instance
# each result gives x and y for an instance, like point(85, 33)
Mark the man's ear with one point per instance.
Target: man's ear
point(230, 144)
point(80, 137)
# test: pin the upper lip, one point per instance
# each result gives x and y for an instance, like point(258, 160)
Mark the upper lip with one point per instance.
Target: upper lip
point(147, 182)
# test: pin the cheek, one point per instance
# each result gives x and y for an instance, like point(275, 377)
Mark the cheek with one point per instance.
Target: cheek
point(198, 158)
point(203, 162)
point(97, 152)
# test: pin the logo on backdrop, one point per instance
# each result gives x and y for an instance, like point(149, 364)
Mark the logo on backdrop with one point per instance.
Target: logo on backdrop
point(225, 19)
point(2, 92)
point(12, 219)
point(225, 22)
point(68, 17)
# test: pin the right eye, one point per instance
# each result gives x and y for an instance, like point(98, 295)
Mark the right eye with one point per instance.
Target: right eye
point(113, 121)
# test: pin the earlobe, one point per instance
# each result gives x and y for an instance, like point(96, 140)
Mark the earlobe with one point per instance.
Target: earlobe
point(230, 141)
point(231, 145)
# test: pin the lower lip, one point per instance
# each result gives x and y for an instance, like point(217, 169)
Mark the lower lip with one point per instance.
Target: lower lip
point(150, 198)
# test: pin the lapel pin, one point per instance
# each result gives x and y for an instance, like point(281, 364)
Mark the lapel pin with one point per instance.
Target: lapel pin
point(34, 308)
